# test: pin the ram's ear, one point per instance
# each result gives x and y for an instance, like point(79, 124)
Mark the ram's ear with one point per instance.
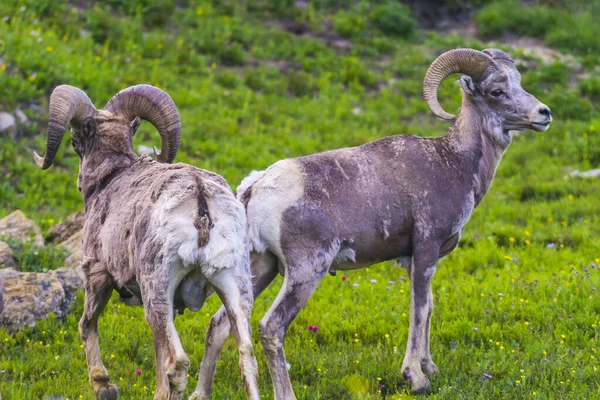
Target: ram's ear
point(88, 128)
point(135, 124)
point(468, 86)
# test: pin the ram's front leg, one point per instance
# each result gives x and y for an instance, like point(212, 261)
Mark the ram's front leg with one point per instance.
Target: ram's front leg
point(98, 287)
point(416, 360)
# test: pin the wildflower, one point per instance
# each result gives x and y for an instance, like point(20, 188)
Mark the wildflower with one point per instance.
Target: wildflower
point(49, 49)
point(508, 258)
point(475, 328)
point(305, 386)
point(32, 77)
point(487, 376)
point(179, 42)
point(378, 378)
point(401, 290)
point(517, 382)
point(213, 65)
point(355, 285)
point(3, 67)
point(199, 11)
point(112, 356)
point(526, 323)
point(344, 277)
point(551, 245)
point(486, 311)
point(527, 242)
point(511, 239)
point(373, 281)
point(527, 233)
point(387, 335)
point(138, 372)
point(159, 46)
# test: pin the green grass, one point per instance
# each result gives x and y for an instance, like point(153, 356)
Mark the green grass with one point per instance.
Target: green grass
point(249, 94)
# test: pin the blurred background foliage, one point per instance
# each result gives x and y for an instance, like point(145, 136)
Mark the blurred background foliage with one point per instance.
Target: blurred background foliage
point(260, 80)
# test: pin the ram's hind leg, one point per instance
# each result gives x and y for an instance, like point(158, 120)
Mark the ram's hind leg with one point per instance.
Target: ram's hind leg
point(171, 361)
point(98, 288)
point(302, 275)
point(264, 270)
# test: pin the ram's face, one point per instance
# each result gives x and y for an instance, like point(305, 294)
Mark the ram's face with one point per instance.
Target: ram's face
point(500, 95)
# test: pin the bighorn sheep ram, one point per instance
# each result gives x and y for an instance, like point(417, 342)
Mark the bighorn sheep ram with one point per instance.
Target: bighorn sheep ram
point(401, 197)
point(169, 234)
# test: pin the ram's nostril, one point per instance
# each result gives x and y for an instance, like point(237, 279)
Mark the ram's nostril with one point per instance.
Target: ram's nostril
point(544, 111)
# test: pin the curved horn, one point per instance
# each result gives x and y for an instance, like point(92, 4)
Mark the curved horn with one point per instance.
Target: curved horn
point(68, 104)
point(153, 105)
point(470, 62)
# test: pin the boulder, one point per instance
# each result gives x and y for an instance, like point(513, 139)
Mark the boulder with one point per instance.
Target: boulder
point(73, 245)
point(31, 296)
point(70, 226)
point(8, 124)
point(18, 226)
point(6, 258)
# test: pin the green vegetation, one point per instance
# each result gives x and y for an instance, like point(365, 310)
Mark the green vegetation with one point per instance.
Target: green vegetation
point(518, 300)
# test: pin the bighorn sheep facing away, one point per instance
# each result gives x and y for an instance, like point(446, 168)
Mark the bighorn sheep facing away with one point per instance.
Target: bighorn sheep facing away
point(401, 197)
point(166, 233)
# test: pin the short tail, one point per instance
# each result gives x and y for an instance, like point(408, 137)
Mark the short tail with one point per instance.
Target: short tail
point(245, 188)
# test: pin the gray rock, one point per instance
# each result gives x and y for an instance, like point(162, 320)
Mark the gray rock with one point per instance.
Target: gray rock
point(22, 117)
point(18, 226)
point(73, 244)
point(31, 296)
point(592, 173)
point(145, 150)
point(8, 124)
point(6, 258)
point(70, 226)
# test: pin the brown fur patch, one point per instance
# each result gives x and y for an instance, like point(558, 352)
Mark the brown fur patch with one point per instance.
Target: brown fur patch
point(202, 221)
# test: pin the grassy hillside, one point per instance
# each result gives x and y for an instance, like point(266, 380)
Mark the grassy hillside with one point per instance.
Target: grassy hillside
point(258, 81)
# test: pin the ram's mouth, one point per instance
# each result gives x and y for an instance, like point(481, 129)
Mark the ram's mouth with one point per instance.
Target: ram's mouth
point(540, 126)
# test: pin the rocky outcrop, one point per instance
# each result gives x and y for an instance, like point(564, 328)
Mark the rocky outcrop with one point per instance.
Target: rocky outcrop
point(6, 256)
point(66, 229)
point(31, 296)
point(17, 226)
point(73, 245)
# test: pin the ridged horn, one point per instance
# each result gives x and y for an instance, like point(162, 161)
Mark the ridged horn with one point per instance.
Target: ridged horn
point(473, 63)
point(68, 105)
point(155, 106)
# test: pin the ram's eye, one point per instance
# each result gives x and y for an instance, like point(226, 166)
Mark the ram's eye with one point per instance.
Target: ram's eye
point(496, 92)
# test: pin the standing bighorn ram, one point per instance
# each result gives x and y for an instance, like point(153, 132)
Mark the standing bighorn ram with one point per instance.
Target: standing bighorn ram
point(166, 233)
point(401, 197)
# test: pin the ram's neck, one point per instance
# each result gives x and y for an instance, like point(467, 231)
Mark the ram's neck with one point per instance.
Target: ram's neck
point(481, 143)
point(96, 171)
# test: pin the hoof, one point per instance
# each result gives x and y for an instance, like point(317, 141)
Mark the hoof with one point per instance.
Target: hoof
point(429, 368)
point(198, 396)
point(107, 393)
point(418, 381)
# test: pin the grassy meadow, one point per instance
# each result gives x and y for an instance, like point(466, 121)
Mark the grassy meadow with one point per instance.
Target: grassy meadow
point(517, 311)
